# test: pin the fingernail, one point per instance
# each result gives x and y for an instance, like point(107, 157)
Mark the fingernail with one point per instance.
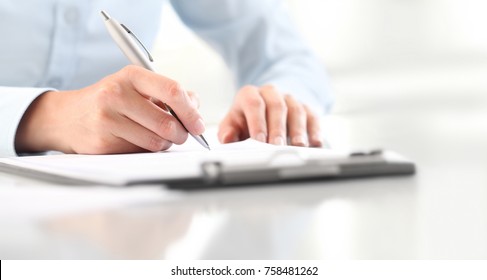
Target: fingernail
point(261, 137)
point(278, 140)
point(199, 127)
point(299, 140)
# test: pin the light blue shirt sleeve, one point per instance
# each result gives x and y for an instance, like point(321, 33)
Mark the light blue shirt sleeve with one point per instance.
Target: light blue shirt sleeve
point(61, 44)
point(261, 45)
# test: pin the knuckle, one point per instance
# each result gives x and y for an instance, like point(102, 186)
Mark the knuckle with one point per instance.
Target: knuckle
point(113, 87)
point(248, 88)
point(165, 126)
point(109, 93)
point(277, 104)
point(269, 88)
point(130, 71)
point(289, 99)
point(191, 115)
point(254, 101)
point(296, 109)
point(155, 143)
point(167, 130)
point(193, 94)
point(175, 90)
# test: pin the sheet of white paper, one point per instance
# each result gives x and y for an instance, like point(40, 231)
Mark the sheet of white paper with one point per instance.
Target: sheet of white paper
point(178, 162)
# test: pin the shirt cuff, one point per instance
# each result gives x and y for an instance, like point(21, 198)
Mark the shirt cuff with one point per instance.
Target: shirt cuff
point(14, 101)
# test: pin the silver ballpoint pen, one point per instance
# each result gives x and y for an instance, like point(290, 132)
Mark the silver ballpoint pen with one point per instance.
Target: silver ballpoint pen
point(125, 40)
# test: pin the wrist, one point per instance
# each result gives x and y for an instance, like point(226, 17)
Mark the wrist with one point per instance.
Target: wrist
point(37, 130)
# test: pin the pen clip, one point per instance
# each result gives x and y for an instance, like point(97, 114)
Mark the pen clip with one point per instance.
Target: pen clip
point(137, 39)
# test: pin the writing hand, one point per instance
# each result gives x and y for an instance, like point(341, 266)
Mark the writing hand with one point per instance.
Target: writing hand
point(122, 113)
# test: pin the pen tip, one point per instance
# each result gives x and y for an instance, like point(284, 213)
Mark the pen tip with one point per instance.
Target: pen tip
point(204, 142)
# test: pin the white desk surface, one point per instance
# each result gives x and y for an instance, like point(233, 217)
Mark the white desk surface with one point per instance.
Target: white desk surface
point(440, 213)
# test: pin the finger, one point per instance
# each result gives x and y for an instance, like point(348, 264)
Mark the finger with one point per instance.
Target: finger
point(313, 127)
point(168, 91)
point(152, 117)
point(253, 107)
point(276, 115)
point(228, 134)
point(230, 129)
point(296, 122)
point(138, 135)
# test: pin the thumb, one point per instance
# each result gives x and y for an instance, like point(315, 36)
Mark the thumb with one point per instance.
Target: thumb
point(228, 134)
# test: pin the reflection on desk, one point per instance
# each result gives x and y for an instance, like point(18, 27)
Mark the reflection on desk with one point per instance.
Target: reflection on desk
point(294, 221)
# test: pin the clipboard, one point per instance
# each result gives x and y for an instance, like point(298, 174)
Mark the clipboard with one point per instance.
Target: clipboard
point(238, 164)
point(351, 165)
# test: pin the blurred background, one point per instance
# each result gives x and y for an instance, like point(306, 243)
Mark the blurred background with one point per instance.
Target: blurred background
point(415, 51)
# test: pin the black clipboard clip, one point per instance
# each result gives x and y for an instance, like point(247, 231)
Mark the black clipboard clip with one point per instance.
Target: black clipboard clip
point(291, 166)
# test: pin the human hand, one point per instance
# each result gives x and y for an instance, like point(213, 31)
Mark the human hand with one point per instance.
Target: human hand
point(268, 116)
point(122, 113)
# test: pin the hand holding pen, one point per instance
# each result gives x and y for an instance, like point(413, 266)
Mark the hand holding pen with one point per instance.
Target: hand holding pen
point(115, 115)
point(127, 41)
